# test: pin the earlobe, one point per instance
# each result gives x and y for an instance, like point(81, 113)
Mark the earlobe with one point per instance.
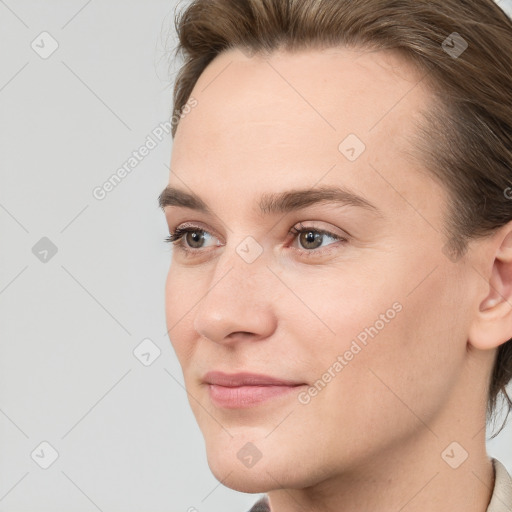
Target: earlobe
point(492, 325)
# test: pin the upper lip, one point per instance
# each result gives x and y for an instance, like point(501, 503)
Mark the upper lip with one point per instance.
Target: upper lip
point(234, 380)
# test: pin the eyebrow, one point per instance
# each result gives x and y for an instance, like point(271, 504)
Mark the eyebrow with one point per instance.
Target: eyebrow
point(274, 203)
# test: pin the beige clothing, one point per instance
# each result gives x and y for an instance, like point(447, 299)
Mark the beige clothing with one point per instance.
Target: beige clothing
point(501, 499)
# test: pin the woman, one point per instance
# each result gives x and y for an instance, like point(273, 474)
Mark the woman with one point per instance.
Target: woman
point(339, 203)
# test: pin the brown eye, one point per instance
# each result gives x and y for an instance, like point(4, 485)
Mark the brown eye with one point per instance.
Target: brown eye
point(195, 239)
point(311, 239)
point(191, 239)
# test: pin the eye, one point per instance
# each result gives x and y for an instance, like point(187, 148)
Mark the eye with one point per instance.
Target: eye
point(190, 238)
point(311, 238)
point(307, 240)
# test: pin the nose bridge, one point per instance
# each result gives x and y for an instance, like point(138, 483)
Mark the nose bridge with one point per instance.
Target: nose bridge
point(237, 299)
point(243, 265)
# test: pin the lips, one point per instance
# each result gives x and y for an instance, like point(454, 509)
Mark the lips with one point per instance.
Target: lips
point(246, 379)
point(243, 390)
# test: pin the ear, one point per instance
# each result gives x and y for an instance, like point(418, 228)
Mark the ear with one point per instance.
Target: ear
point(492, 325)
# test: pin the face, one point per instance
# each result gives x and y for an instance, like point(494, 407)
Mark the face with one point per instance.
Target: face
point(312, 259)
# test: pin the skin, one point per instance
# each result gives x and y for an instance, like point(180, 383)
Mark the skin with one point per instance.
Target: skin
point(372, 439)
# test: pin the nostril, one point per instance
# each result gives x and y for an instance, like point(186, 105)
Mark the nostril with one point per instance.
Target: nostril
point(241, 333)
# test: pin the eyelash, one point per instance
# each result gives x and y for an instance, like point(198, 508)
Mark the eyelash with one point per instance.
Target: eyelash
point(176, 238)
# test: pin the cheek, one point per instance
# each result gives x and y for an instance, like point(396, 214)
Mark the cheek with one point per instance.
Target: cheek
point(180, 298)
point(339, 306)
point(171, 291)
point(399, 343)
point(408, 368)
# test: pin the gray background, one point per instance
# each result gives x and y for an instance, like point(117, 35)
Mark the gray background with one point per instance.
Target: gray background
point(70, 321)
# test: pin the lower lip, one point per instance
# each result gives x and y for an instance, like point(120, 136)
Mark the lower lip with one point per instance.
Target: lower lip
point(246, 396)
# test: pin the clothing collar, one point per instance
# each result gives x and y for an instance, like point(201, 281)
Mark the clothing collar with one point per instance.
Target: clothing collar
point(501, 499)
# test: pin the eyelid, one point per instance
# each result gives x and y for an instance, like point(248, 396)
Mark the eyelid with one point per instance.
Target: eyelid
point(195, 226)
point(327, 231)
point(322, 251)
point(294, 232)
point(176, 237)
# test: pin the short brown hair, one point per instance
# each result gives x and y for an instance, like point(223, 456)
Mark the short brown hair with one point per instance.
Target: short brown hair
point(465, 141)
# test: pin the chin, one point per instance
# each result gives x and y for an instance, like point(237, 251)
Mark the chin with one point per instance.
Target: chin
point(276, 469)
point(240, 462)
point(249, 483)
point(239, 478)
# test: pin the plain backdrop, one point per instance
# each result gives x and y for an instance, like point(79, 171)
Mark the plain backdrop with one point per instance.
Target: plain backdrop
point(82, 86)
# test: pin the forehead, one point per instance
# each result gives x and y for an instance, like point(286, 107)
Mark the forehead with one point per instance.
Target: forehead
point(333, 89)
point(274, 121)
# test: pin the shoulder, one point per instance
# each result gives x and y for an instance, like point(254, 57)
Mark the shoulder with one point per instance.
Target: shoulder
point(501, 499)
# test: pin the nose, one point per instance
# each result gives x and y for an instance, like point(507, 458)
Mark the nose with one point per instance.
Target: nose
point(237, 304)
